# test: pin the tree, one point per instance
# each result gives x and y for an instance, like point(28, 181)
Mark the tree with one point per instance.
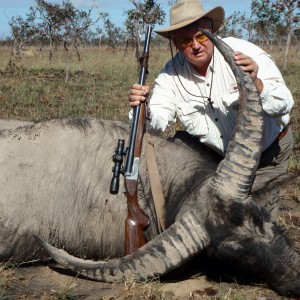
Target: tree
point(266, 20)
point(232, 25)
point(248, 26)
point(76, 24)
point(50, 19)
point(110, 34)
point(276, 21)
point(147, 13)
point(57, 23)
point(22, 30)
point(290, 10)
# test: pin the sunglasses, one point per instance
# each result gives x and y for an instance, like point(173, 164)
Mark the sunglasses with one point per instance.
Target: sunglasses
point(199, 37)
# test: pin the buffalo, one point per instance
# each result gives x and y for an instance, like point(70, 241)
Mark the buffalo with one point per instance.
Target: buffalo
point(55, 178)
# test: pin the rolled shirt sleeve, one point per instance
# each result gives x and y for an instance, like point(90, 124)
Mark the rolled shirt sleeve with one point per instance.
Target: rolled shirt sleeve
point(162, 102)
point(277, 99)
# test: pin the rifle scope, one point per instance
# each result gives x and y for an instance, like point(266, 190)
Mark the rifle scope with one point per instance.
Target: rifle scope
point(117, 169)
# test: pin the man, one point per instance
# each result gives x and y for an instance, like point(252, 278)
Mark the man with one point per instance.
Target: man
point(198, 87)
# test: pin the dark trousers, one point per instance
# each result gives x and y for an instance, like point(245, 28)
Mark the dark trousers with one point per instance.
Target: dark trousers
point(274, 163)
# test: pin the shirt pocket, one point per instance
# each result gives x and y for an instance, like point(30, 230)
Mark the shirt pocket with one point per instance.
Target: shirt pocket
point(192, 116)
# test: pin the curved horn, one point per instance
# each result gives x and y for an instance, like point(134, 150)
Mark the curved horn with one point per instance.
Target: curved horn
point(179, 243)
point(235, 174)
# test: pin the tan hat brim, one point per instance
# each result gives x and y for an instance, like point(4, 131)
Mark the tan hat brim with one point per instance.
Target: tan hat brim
point(216, 15)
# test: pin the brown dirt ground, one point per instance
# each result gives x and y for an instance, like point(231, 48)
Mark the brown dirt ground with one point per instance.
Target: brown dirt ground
point(203, 279)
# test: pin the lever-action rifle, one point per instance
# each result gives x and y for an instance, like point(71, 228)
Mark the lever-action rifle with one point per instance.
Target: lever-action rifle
point(136, 221)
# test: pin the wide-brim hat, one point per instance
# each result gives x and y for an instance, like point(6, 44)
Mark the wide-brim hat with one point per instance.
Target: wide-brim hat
point(186, 12)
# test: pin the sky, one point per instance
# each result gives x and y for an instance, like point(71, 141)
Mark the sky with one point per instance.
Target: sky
point(115, 9)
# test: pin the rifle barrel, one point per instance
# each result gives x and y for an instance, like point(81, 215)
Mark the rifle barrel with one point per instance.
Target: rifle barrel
point(136, 111)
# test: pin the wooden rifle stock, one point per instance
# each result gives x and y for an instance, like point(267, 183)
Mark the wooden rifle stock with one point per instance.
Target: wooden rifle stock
point(136, 221)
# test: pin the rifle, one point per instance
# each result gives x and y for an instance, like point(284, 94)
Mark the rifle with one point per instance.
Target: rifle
point(136, 221)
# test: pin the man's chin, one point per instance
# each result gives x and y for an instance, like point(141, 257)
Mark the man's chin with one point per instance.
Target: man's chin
point(198, 59)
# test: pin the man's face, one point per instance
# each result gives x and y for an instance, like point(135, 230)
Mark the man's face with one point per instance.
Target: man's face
point(193, 45)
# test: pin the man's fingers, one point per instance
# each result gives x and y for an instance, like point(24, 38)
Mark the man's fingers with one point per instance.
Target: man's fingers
point(143, 88)
point(133, 98)
point(135, 103)
point(246, 63)
point(138, 94)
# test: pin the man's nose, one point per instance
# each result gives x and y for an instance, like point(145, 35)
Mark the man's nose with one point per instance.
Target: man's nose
point(196, 44)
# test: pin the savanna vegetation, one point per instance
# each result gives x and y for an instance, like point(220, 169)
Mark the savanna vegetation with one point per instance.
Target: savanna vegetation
point(88, 75)
point(98, 85)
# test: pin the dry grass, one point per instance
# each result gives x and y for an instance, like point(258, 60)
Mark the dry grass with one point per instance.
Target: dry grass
point(98, 87)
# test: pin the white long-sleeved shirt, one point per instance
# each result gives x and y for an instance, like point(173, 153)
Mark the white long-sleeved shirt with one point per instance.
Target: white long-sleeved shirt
point(214, 127)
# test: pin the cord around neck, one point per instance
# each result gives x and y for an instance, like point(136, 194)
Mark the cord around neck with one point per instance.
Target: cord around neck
point(211, 83)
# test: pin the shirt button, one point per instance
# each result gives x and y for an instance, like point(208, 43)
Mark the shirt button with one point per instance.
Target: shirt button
point(216, 119)
point(207, 84)
point(221, 136)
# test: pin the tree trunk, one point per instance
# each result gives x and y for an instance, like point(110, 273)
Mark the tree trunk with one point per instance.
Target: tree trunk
point(287, 47)
point(137, 41)
point(69, 53)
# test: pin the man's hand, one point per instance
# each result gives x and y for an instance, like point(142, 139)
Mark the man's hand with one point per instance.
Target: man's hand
point(249, 65)
point(137, 94)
